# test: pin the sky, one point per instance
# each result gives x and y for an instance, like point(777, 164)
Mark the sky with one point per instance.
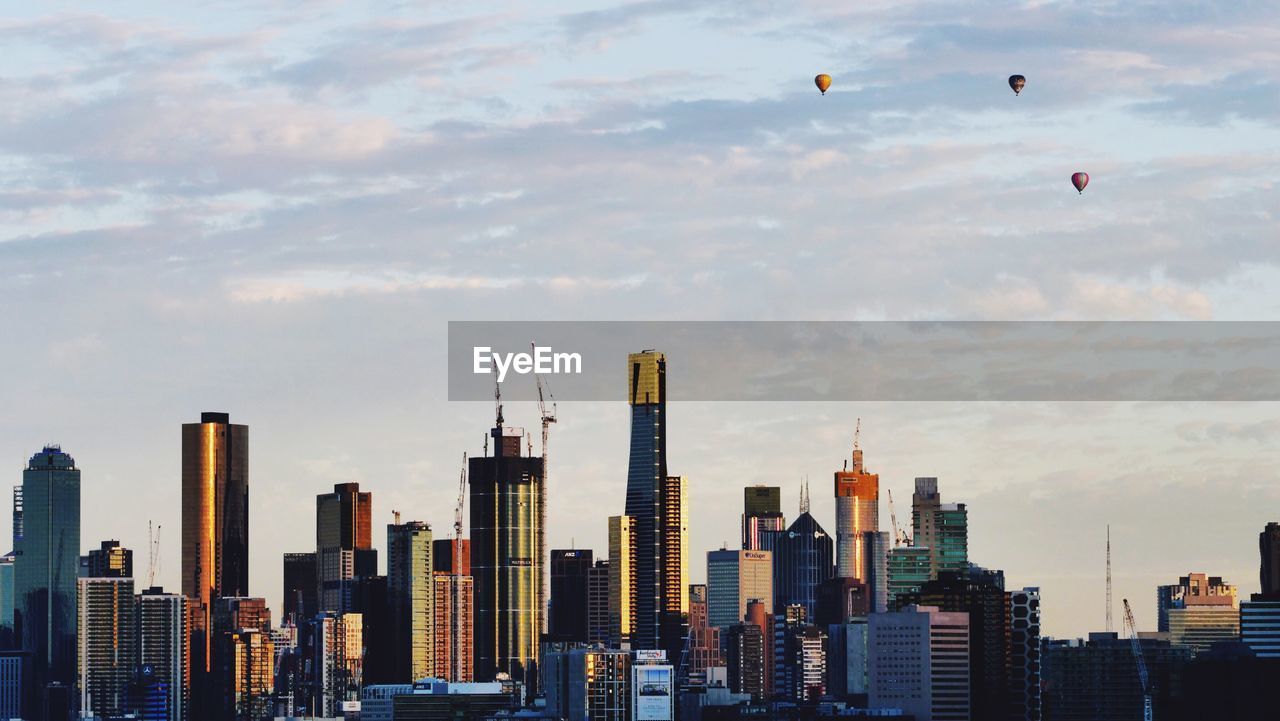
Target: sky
point(274, 208)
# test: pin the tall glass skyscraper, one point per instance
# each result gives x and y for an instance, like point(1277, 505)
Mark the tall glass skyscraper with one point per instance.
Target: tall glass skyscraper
point(943, 528)
point(344, 545)
point(802, 559)
point(647, 467)
point(857, 494)
point(45, 569)
point(505, 563)
point(761, 514)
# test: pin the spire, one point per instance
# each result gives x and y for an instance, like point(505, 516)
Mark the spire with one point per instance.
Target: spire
point(804, 496)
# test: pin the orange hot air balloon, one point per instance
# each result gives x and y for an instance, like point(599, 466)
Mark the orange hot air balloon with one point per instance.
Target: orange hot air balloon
point(823, 82)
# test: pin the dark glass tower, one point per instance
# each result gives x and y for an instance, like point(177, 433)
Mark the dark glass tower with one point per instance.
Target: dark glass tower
point(647, 396)
point(761, 514)
point(45, 568)
point(300, 586)
point(568, 616)
point(344, 544)
point(111, 560)
point(215, 535)
point(505, 493)
point(803, 558)
point(1269, 569)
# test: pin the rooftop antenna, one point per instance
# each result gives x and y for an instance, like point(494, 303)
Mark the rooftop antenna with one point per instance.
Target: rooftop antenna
point(497, 396)
point(857, 431)
point(153, 552)
point(1108, 578)
point(804, 496)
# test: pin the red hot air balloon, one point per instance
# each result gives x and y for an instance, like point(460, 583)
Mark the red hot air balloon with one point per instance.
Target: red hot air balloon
point(1080, 180)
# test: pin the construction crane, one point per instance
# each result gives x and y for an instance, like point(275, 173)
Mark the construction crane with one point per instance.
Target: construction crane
point(900, 537)
point(153, 552)
point(1144, 679)
point(544, 392)
point(497, 396)
point(455, 641)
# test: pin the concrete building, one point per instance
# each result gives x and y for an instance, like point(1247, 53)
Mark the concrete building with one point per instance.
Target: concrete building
point(919, 662)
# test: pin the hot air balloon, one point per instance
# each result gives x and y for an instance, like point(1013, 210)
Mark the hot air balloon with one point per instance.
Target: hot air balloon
point(823, 82)
point(1017, 82)
point(1080, 180)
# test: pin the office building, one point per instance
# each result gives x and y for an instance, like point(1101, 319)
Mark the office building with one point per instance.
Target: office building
point(598, 603)
point(918, 661)
point(847, 659)
point(568, 607)
point(44, 581)
point(980, 594)
point(761, 514)
point(17, 514)
point(1260, 625)
point(761, 616)
point(857, 493)
point(7, 640)
point(802, 559)
point(622, 579)
point(11, 665)
point(107, 654)
point(943, 528)
point(433, 699)
point(235, 613)
point(803, 655)
point(875, 555)
point(215, 532)
point(909, 569)
point(111, 560)
point(1097, 679)
point(301, 584)
point(1198, 610)
point(344, 544)
point(506, 492)
point(646, 472)
point(1024, 655)
point(162, 640)
point(734, 578)
point(411, 596)
point(1269, 568)
point(588, 684)
point(840, 599)
point(704, 640)
point(454, 618)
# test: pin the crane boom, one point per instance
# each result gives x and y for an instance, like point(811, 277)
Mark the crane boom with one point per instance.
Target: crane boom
point(547, 419)
point(456, 630)
point(899, 536)
point(1144, 679)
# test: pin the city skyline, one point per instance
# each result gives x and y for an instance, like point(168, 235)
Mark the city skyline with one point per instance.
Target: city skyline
point(1244, 575)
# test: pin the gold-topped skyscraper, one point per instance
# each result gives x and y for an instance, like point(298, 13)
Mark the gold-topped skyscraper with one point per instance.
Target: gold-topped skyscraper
point(857, 512)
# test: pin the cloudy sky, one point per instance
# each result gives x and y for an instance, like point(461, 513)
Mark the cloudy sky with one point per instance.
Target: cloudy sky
point(274, 208)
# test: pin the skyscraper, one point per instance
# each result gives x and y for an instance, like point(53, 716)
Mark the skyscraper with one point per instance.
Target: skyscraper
point(622, 579)
point(943, 528)
point(454, 618)
point(918, 661)
point(344, 544)
point(215, 526)
point(647, 468)
point(568, 606)
point(802, 559)
point(761, 513)
point(704, 639)
point(1198, 610)
point(411, 596)
point(908, 568)
point(874, 546)
point(598, 603)
point(45, 569)
point(111, 560)
point(857, 494)
point(1269, 550)
point(107, 654)
point(162, 646)
point(735, 578)
point(505, 497)
point(1024, 655)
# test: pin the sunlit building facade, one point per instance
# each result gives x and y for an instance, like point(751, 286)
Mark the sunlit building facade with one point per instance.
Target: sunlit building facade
point(454, 617)
point(411, 596)
point(647, 469)
point(857, 493)
point(622, 579)
point(761, 514)
point(106, 650)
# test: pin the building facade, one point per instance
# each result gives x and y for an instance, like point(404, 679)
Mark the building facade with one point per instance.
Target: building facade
point(857, 493)
point(733, 578)
point(454, 618)
point(1198, 610)
point(803, 557)
point(646, 471)
point(943, 528)
point(761, 514)
point(568, 619)
point(918, 661)
point(162, 638)
point(411, 597)
point(622, 579)
point(106, 649)
point(344, 544)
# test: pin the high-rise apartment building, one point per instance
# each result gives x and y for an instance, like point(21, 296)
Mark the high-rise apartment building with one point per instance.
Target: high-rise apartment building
point(568, 605)
point(506, 492)
point(111, 560)
point(1024, 655)
point(333, 651)
point(673, 567)
point(918, 661)
point(1198, 610)
point(344, 544)
point(622, 579)
point(161, 633)
point(744, 652)
point(454, 618)
point(857, 493)
point(44, 580)
point(943, 528)
point(107, 653)
point(411, 596)
point(704, 639)
point(215, 532)
point(249, 666)
point(761, 514)
point(734, 578)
